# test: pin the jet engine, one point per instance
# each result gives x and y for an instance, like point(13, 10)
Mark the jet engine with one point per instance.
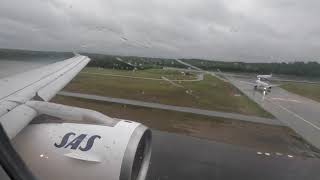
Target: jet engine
point(119, 150)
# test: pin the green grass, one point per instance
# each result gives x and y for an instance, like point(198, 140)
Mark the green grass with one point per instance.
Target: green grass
point(311, 91)
point(150, 73)
point(211, 93)
point(254, 135)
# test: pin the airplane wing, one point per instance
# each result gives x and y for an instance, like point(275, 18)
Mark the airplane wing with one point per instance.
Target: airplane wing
point(39, 84)
point(108, 147)
point(102, 147)
point(106, 152)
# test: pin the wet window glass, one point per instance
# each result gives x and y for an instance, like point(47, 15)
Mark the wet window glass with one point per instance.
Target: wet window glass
point(196, 89)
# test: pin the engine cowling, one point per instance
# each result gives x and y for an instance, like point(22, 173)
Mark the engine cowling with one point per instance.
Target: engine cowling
point(86, 151)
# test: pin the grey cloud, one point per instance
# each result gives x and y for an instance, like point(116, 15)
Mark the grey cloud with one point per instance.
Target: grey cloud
point(267, 30)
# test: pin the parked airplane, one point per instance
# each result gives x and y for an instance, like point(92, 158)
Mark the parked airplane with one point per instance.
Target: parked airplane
point(96, 146)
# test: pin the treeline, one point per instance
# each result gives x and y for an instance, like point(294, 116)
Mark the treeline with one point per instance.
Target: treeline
point(14, 54)
point(130, 62)
point(311, 69)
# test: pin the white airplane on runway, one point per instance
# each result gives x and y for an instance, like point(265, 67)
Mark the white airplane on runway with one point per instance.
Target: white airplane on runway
point(259, 84)
point(262, 85)
point(93, 146)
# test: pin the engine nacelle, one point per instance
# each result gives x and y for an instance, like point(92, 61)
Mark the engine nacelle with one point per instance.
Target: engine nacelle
point(84, 151)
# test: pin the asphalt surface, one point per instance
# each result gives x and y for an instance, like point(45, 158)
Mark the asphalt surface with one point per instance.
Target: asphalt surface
point(281, 78)
point(297, 112)
point(174, 108)
point(182, 157)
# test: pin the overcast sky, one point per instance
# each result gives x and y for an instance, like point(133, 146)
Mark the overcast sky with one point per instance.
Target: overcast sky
point(249, 30)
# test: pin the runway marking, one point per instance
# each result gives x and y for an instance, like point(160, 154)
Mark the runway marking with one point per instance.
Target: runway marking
point(289, 100)
point(296, 115)
point(272, 154)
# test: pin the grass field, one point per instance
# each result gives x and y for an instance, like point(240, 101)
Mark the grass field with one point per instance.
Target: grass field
point(150, 73)
point(211, 93)
point(311, 91)
point(254, 135)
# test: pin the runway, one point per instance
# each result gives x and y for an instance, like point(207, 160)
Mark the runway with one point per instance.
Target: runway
point(279, 78)
point(174, 108)
point(297, 112)
point(181, 157)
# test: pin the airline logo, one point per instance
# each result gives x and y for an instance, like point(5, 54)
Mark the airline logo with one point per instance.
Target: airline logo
point(70, 140)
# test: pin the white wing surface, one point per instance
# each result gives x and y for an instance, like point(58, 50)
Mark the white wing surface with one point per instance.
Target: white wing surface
point(39, 84)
